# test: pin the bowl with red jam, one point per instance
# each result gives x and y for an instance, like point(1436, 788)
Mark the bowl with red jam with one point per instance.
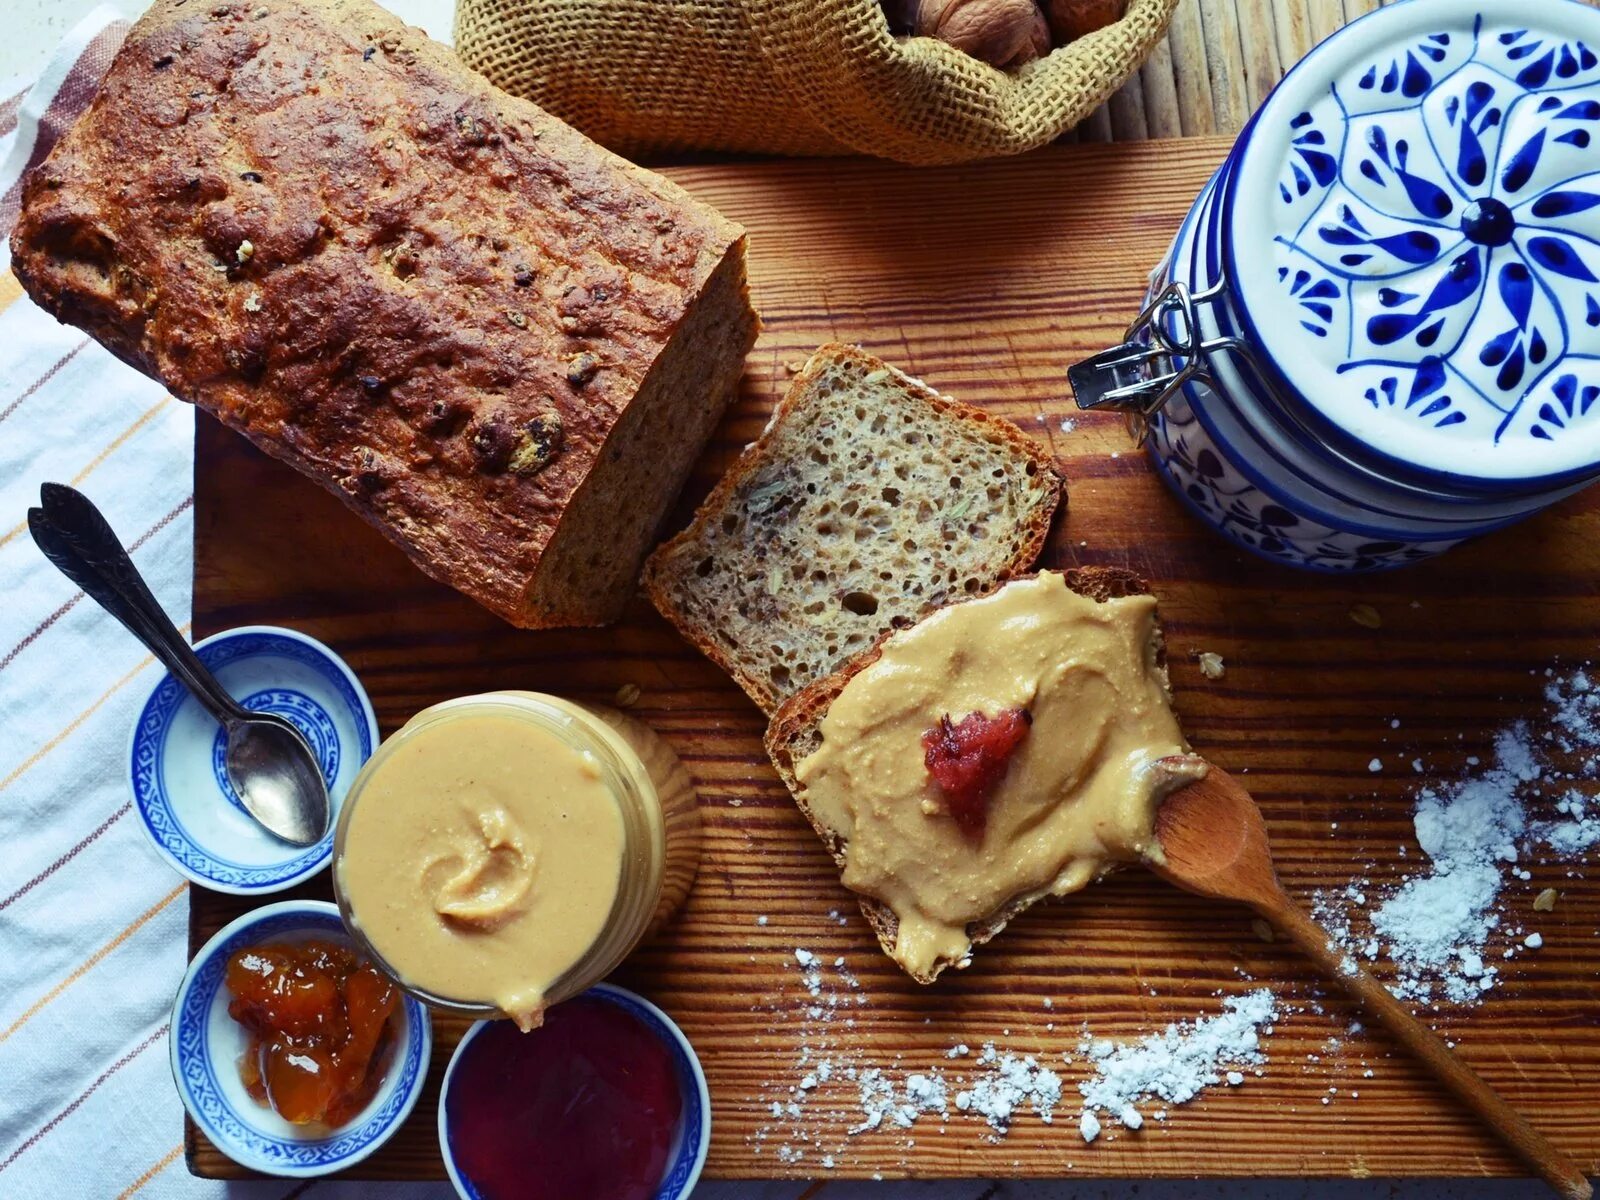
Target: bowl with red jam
point(293, 1053)
point(606, 1100)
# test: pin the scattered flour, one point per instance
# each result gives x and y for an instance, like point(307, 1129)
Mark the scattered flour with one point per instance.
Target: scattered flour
point(1010, 1085)
point(1437, 925)
point(1578, 830)
point(1176, 1065)
point(987, 1085)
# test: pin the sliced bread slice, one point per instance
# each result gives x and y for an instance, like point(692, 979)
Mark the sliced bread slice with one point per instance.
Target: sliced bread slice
point(869, 501)
point(795, 733)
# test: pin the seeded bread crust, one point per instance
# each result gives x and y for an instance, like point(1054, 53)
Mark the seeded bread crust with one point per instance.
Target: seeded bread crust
point(795, 733)
point(498, 342)
point(906, 563)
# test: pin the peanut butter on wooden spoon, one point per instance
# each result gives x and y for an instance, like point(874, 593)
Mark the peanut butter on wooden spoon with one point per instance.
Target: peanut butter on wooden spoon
point(1213, 842)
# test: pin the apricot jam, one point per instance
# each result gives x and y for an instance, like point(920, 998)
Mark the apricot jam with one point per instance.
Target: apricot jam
point(584, 1106)
point(321, 1034)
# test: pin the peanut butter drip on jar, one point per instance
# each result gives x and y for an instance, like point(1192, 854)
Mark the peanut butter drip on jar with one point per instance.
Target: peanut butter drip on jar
point(1079, 794)
point(483, 861)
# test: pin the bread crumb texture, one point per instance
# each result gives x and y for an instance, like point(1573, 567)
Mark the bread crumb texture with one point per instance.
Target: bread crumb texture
point(869, 502)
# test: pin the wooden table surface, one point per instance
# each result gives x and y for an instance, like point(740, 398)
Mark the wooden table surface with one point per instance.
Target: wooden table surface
point(988, 281)
point(1217, 63)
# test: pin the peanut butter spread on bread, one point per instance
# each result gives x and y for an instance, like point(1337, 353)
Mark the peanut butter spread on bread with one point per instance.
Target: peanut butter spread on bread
point(1077, 795)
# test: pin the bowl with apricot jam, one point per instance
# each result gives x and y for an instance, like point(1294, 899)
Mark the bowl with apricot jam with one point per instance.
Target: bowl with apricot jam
point(293, 1053)
point(606, 1100)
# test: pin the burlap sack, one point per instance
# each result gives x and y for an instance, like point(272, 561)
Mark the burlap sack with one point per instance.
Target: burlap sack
point(788, 76)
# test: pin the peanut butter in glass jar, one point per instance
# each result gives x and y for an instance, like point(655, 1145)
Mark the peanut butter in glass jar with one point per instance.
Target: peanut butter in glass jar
point(501, 853)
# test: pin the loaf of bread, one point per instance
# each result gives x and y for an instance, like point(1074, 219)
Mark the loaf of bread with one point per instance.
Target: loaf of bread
point(795, 733)
point(870, 501)
point(501, 344)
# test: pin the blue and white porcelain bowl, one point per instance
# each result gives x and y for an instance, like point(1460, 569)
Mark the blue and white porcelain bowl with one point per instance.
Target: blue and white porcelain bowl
point(180, 784)
point(691, 1138)
point(1402, 256)
point(207, 1044)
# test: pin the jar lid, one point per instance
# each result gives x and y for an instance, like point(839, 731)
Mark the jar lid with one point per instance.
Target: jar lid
point(1412, 234)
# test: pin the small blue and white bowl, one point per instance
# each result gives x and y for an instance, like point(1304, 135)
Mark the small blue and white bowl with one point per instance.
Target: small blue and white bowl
point(692, 1137)
point(180, 784)
point(207, 1044)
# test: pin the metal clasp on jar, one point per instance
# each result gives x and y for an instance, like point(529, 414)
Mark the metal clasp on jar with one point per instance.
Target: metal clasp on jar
point(1141, 375)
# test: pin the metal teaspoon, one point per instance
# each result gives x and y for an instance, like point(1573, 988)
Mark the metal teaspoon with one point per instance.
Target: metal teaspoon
point(268, 762)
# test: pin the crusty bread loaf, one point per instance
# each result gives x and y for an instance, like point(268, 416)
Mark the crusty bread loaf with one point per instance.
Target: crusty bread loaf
point(501, 344)
point(795, 732)
point(869, 501)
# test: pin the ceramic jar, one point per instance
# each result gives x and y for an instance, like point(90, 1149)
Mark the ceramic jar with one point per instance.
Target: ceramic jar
point(1377, 332)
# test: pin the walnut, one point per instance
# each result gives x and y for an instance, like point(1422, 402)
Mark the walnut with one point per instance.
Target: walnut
point(538, 444)
point(999, 32)
point(1071, 19)
point(1038, 41)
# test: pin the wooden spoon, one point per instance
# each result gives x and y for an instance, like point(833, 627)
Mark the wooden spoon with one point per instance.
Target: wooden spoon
point(1214, 844)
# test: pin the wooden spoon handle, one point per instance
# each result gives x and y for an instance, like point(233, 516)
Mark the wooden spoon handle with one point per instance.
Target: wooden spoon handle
point(1535, 1150)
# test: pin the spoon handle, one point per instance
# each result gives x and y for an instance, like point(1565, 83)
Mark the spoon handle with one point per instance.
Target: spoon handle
point(81, 544)
point(1534, 1149)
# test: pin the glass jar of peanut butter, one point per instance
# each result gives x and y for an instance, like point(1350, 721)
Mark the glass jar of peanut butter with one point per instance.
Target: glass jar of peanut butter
point(501, 853)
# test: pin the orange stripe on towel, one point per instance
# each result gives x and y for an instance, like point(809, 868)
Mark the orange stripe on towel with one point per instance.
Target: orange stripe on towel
point(94, 462)
point(78, 720)
point(10, 290)
point(167, 1160)
point(88, 964)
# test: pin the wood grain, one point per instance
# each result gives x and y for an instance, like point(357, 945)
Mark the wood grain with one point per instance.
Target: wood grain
point(988, 281)
point(1238, 48)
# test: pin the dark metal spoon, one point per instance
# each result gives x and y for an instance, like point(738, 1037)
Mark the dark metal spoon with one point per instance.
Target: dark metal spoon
point(268, 762)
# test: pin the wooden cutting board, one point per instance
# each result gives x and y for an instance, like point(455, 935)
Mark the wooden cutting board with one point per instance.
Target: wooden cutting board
point(988, 281)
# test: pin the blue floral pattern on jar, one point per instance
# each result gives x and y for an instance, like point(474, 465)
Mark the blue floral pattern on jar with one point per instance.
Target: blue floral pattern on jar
point(1206, 480)
point(1445, 253)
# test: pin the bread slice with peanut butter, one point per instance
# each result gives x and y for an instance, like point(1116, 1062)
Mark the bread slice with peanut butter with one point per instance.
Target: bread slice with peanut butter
point(869, 501)
point(1099, 718)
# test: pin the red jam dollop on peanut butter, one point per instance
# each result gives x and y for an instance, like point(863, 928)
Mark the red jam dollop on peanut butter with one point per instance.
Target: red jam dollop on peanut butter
point(969, 759)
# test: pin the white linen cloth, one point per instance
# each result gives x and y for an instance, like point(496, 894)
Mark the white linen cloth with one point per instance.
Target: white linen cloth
point(92, 922)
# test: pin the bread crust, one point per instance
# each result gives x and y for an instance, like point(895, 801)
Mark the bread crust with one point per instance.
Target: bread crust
point(794, 732)
point(657, 577)
point(434, 299)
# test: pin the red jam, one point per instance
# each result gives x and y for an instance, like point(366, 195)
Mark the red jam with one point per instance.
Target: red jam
point(584, 1106)
point(320, 1029)
point(968, 760)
